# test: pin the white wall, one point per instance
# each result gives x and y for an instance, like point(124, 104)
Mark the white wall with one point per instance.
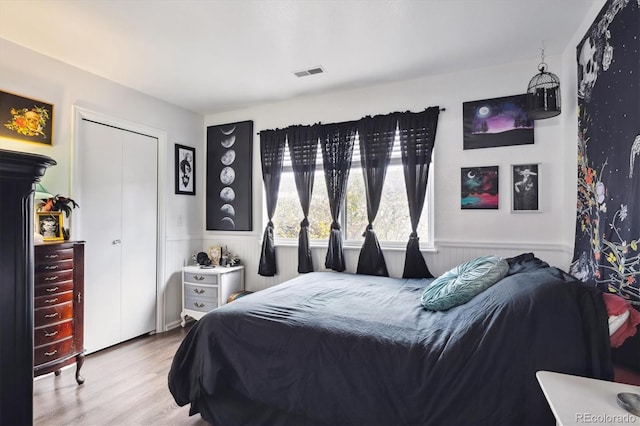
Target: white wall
point(459, 234)
point(27, 73)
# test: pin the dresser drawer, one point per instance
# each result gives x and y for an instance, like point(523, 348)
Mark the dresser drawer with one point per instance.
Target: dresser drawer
point(49, 254)
point(53, 299)
point(51, 289)
point(52, 333)
point(196, 278)
point(61, 265)
point(53, 351)
point(53, 314)
point(201, 292)
point(45, 278)
point(201, 305)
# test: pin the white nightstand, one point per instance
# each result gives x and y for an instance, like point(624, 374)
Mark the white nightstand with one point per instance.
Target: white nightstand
point(204, 289)
point(582, 400)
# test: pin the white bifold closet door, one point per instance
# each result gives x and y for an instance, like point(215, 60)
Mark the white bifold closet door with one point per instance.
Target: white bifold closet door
point(118, 183)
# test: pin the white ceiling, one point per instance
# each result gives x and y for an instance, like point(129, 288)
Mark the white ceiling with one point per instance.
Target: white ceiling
point(214, 55)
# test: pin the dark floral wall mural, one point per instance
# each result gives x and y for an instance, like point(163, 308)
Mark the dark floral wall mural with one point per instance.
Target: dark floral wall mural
point(607, 246)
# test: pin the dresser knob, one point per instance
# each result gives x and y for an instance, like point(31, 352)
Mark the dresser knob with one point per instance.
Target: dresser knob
point(54, 300)
point(52, 278)
point(50, 334)
point(51, 353)
point(53, 315)
point(51, 267)
point(114, 242)
point(51, 256)
point(52, 289)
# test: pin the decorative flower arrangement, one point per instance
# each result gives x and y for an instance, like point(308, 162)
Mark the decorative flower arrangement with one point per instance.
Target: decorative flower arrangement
point(58, 204)
point(28, 122)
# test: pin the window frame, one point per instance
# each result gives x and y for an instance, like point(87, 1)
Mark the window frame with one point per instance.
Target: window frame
point(387, 245)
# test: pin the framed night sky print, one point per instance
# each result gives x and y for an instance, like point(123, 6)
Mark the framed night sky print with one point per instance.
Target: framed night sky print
point(479, 187)
point(496, 122)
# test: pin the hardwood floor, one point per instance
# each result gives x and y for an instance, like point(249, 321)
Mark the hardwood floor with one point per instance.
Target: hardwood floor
point(125, 385)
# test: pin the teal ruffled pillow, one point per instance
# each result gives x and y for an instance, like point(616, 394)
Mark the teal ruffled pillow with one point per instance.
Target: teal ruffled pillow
point(464, 282)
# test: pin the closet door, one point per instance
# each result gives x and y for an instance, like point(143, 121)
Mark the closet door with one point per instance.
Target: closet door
point(139, 210)
point(100, 176)
point(118, 188)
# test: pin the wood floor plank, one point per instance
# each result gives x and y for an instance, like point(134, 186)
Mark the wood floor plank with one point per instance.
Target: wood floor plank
point(125, 385)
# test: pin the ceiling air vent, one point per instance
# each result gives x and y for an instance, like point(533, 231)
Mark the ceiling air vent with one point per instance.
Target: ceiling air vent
point(310, 71)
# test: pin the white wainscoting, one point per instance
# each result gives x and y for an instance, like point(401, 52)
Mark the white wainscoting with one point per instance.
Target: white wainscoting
point(447, 255)
point(177, 254)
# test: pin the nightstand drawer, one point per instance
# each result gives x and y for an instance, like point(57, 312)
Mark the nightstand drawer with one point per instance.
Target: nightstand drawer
point(200, 278)
point(200, 305)
point(200, 291)
point(53, 351)
point(52, 333)
point(53, 314)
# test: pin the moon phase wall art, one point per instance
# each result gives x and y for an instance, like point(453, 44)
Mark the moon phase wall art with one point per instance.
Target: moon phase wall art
point(497, 122)
point(229, 154)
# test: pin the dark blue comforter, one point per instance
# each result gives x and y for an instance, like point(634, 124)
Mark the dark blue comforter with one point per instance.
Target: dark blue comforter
point(336, 348)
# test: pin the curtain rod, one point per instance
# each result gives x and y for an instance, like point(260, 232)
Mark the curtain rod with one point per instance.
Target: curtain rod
point(441, 109)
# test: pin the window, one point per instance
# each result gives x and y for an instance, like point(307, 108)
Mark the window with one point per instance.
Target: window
point(392, 224)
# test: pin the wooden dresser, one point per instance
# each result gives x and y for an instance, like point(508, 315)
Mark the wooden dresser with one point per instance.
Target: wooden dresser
point(18, 173)
point(58, 307)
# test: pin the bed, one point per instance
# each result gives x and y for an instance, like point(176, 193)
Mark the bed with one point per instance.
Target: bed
point(337, 348)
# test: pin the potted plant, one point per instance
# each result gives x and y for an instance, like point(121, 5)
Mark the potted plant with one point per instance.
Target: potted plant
point(58, 203)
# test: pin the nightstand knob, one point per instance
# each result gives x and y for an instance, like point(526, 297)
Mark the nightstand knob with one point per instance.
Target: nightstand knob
point(198, 290)
point(199, 277)
point(198, 305)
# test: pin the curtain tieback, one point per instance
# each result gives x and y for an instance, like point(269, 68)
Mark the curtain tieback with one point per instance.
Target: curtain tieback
point(304, 223)
point(269, 224)
point(335, 225)
point(367, 229)
point(414, 236)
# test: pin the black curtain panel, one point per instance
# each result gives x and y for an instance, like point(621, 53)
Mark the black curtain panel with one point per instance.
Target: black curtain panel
point(303, 148)
point(272, 153)
point(417, 138)
point(376, 143)
point(337, 149)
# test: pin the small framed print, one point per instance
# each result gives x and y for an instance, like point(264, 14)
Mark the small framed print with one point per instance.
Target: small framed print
point(215, 253)
point(49, 225)
point(525, 188)
point(185, 170)
point(479, 188)
point(26, 119)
